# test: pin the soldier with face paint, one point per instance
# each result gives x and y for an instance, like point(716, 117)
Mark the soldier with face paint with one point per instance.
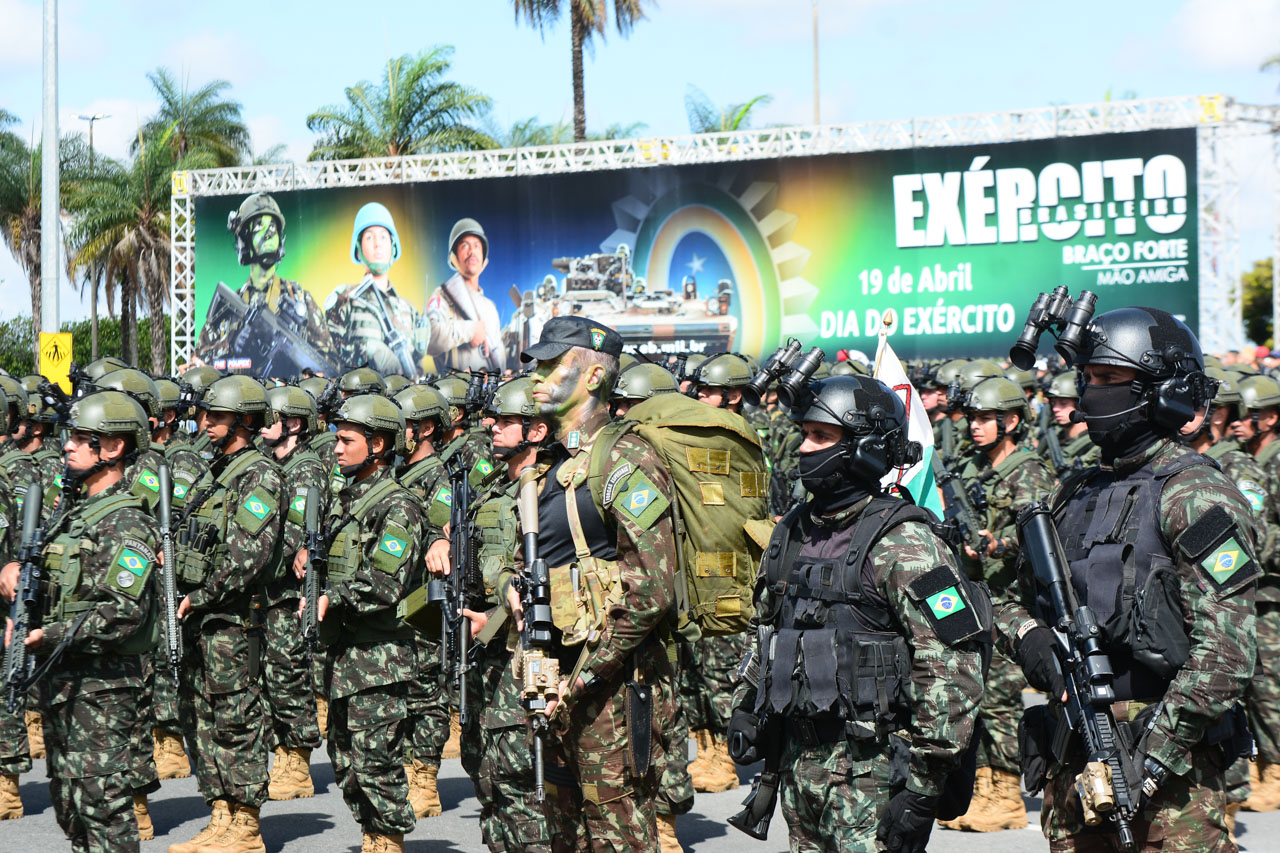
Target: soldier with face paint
point(258, 226)
point(371, 323)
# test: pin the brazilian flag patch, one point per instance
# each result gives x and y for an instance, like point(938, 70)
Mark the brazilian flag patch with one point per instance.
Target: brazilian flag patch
point(1225, 561)
point(179, 490)
point(445, 496)
point(133, 561)
point(299, 504)
point(129, 572)
point(150, 480)
point(945, 603)
point(641, 500)
point(257, 506)
point(393, 546)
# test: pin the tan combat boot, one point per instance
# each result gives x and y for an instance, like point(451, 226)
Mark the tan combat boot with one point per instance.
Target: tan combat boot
point(171, 758)
point(1231, 810)
point(291, 775)
point(1264, 793)
point(146, 830)
point(10, 801)
point(667, 834)
point(981, 797)
point(701, 764)
point(453, 746)
point(35, 734)
point(432, 807)
point(1005, 809)
point(719, 773)
point(243, 835)
point(218, 823)
point(376, 842)
point(322, 715)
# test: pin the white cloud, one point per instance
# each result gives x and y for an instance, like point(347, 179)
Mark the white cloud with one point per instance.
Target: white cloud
point(21, 36)
point(268, 130)
point(1229, 34)
point(201, 58)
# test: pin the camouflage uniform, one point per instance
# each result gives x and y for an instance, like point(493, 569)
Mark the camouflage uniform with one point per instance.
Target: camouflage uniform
point(293, 306)
point(90, 699)
point(1187, 812)
point(357, 330)
point(239, 505)
point(19, 471)
point(1021, 479)
point(1263, 698)
point(835, 789)
point(594, 797)
point(369, 653)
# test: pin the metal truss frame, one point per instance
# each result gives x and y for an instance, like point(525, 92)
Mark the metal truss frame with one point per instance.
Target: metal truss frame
point(1220, 121)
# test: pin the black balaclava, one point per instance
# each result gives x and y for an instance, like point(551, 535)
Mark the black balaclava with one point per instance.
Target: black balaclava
point(1116, 418)
point(825, 475)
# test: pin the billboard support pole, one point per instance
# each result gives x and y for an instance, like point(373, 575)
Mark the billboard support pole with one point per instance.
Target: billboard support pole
point(182, 277)
point(1221, 322)
point(1275, 235)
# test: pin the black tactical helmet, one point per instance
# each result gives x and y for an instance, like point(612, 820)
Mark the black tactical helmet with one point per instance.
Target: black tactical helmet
point(874, 420)
point(1149, 340)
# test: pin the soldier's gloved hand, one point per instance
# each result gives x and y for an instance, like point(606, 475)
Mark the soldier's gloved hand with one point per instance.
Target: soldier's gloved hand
point(906, 824)
point(744, 729)
point(1037, 653)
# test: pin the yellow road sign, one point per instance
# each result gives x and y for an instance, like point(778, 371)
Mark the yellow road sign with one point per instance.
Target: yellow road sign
point(55, 358)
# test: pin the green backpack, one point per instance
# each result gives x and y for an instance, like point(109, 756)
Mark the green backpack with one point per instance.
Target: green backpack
point(721, 518)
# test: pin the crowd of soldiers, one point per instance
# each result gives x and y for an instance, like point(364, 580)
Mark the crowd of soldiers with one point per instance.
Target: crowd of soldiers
point(879, 671)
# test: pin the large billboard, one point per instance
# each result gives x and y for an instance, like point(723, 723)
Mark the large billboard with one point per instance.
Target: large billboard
point(699, 258)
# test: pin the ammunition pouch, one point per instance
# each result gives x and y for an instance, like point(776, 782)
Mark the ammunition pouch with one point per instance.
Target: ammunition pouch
point(1156, 637)
point(581, 593)
point(1035, 739)
point(957, 788)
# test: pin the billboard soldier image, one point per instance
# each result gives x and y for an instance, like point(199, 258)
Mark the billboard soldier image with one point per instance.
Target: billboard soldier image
point(258, 226)
point(370, 322)
point(465, 328)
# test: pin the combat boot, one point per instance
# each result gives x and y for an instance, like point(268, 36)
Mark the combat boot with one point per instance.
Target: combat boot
point(981, 797)
point(146, 829)
point(667, 834)
point(1264, 787)
point(453, 746)
point(1231, 810)
point(10, 801)
point(322, 715)
point(701, 764)
point(35, 734)
point(218, 823)
point(1004, 810)
point(291, 775)
point(376, 842)
point(171, 758)
point(721, 773)
point(243, 835)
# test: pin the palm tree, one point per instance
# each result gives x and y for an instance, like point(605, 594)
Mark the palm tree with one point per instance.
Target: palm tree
point(202, 120)
point(705, 117)
point(617, 130)
point(413, 109)
point(586, 19)
point(1273, 62)
point(20, 197)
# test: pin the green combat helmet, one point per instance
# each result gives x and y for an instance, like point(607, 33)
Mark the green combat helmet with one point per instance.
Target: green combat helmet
point(111, 413)
point(290, 401)
point(376, 414)
point(31, 383)
point(461, 229)
point(691, 365)
point(997, 394)
point(423, 403)
point(514, 398)
point(169, 394)
point(101, 367)
point(1228, 393)
point(1064, 385)
point(725, 370)
point(15, 399)
point(642, 381)
point(1257, 392)
point(240, 394)
point(199, 379)
point(948, 372)
point(395, 382)
point(454, 390)
point(362, 380)
point(848, 367)
point(239, 220)
point(1025, 379)
point(626, 360)
point(137, 385)
point(315, 386)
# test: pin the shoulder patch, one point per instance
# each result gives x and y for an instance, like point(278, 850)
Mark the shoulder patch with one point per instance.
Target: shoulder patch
point(444, 495)
point(641, 501)
point(1211, 543)
point(256, 510)
point(942, 600)
point(393, 548)
point(150, 480)
point(129, 569)
point(1254, 494)
point(611, 485)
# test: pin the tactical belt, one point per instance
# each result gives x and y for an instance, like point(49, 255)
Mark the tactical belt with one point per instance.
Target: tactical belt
point(818, 731)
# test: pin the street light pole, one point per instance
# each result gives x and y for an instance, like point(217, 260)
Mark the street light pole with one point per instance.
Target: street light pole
point(816, 117)
point(50, 203)
point(93, 283)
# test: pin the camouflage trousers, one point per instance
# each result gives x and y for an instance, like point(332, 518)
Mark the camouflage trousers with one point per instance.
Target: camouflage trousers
point(1186, 814)
point(15, 751)
point(1263, 696)
point(708, 668)
point(89, 739)
point(833, 795)
point(595, 801)
point(1000, 711)
point(286, 681)
point(224, 720)
point(366, 745)
point(675, 785)
point(143, 778)
point(164, 696)
point(428, 704)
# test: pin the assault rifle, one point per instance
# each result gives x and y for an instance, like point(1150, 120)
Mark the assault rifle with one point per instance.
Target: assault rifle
point(959, 508)
point(315, 564)
point(758, 808)
point(537, 669)
point(272, 347)
point(1110, 785)
point(1056, 456)
point(25, 610)
point(455, 629)
point(168, 573)
point(391, 336)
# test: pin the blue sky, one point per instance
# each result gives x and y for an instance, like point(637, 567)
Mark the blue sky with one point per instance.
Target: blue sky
point(879, 59)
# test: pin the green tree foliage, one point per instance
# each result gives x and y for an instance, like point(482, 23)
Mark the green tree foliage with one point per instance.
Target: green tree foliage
point(17, 359)
point(530, 131)
point(1256, 290)
point(706, 117)
point(587, 18)
point(413, 109)
point(199, 120)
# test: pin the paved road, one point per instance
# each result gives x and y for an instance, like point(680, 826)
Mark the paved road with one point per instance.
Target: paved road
point(323, 824)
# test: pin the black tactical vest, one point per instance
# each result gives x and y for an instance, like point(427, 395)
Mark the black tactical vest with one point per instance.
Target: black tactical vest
point(1121, 566)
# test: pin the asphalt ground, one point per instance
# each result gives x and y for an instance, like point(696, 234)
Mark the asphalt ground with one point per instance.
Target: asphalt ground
point(323, 823)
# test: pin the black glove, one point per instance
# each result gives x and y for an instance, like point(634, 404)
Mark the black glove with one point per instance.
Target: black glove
point(744, 728)
point(906, 824)
point(1037, 654)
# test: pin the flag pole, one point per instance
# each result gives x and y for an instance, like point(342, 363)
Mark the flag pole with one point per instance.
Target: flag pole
point(885, 322)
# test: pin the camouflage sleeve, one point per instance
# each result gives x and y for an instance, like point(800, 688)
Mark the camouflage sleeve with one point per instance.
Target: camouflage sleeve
point(389, 554)
point(317, 329)
point(309, 473)
point(10, 522)
point(255, 509)
point(1030, 482)
point(946, 677)
point(118, 580)
point(1243, 470)
point(1218, 585)
point(646, 553)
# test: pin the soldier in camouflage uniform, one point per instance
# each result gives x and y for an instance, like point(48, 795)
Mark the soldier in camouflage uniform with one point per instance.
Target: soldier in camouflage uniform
point(601, 774)
point(426, 413)
point(371, 323)
point(194, 383)
point(291, 711)
point(465, 327)
point(1257, 430)
point(15, 754)
point(640, 382)
point(228, 543)
point(1073, 438)
point(322, 444)
point(1003, 477)
point(99, 623)
point(904, 606)
point(258, 227)
point(1174, 513)
point(373, 528)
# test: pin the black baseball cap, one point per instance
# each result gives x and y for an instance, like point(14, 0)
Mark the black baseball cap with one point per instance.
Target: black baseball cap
point(561, 333)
